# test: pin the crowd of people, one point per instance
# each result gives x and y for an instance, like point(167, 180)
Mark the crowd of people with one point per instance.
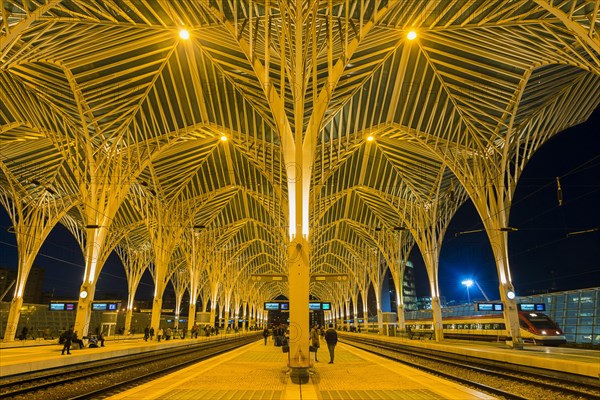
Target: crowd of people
point(278, 332)
point(69, 337)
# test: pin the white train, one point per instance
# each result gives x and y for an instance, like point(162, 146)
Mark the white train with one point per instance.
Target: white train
point(536, 328)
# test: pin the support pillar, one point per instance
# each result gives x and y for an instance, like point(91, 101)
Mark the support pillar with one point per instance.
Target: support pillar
point(299, 282)
point(156, 309)
point(191, 315)
point(128, 318)
point(499, 242)
point(84, 309)
point(13, 318)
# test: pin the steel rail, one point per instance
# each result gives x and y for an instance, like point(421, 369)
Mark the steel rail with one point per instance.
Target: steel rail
point(537, 379)
point(61, 376)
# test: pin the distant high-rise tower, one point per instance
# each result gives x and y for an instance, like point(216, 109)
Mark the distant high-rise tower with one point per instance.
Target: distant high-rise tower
point(408, 288)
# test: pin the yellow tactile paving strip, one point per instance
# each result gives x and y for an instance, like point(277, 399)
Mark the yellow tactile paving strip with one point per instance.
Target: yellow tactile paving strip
point(257, 372)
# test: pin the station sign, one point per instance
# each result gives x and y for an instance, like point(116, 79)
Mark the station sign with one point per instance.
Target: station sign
point(531, 307)
point(489, 306)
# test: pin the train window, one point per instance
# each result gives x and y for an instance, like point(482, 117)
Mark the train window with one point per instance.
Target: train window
point(523, 324)
point(541, 321)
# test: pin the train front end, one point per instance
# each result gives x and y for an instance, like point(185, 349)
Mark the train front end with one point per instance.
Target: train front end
point(540, 329)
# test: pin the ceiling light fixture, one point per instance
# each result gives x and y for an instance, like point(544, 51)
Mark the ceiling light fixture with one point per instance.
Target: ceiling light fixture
point(184, 34)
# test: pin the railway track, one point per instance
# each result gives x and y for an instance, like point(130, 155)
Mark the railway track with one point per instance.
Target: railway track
point(102, 379)
point(498, 379)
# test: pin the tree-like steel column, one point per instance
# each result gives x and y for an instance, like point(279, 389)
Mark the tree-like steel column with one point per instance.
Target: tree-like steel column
point(397, 246)
point(431, 219)
point(32, 222)
point(135, 261)
point(166, 227)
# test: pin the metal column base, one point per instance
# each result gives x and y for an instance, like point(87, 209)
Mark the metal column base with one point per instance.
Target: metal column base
point(299, 375)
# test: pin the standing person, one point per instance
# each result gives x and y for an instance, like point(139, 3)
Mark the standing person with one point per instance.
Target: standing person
point(314, 339)
point(159, 334)
point(67, 336)
point(146, 333)
point(331, 338)
point(266, 334)
point(151, 333)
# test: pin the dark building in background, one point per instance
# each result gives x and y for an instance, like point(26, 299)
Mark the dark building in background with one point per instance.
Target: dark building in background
point(409, 291)
point(408, 288)
point(33, 288)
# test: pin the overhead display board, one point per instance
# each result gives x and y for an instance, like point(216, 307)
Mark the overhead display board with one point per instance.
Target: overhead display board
point(285, 306)
point(62, 306)
point(531, 307)
point(105, 306)
point(489, 306)
point(272, 306)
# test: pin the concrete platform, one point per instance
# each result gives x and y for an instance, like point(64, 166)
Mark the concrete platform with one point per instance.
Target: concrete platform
point(256, 371)
point(21, 357)
point(564, 359)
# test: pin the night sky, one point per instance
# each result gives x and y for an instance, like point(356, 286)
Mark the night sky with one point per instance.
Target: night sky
point(542, 256)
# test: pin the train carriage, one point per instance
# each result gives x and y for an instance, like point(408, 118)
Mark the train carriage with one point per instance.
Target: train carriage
point(536, 328)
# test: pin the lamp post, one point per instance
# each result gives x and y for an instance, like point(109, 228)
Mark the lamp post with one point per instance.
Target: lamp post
point(468, 283)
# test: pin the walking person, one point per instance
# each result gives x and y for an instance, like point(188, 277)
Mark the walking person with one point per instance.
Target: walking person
point(67, 336)
point(331, 338)
point(314, 340)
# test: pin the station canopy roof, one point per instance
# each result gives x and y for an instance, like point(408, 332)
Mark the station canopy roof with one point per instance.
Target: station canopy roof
point(108, 112)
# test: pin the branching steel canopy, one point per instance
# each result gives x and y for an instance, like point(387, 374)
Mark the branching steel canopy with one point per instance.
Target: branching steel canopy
point(105, 106)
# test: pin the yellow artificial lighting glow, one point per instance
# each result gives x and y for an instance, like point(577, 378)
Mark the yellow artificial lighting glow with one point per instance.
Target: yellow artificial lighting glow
point(370, 138)
point(184, 34)
point(411, 35)
point(224, 138)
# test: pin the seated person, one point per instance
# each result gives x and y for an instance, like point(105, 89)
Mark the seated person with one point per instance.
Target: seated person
point(93, 342)
point(76, 340)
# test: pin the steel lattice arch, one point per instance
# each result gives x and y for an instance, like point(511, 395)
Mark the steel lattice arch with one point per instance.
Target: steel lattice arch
point(337, 134)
